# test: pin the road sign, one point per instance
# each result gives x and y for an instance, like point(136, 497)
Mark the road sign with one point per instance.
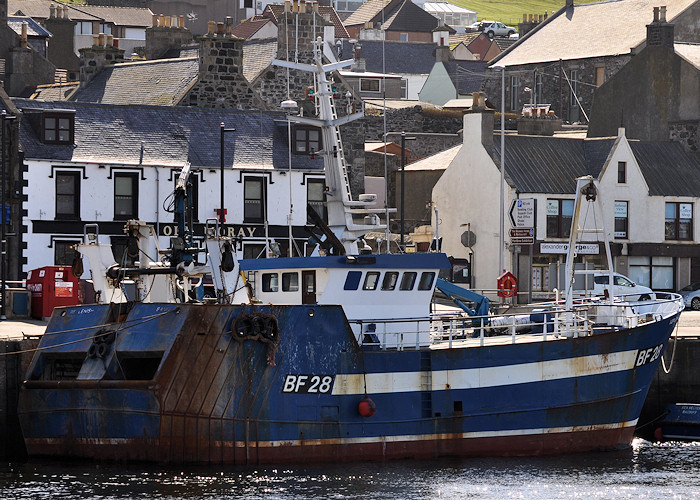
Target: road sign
point(522, 236)
point(522, 212)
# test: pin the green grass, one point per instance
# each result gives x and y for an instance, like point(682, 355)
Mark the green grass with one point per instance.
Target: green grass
point(510, 11)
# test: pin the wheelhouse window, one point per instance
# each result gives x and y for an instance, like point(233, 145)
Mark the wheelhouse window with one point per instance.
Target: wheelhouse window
point(58, 127)
point(407, 281)
point(316, 198)
point(126, 196)
point(270, 282)
point(370, 85)
point(307, 140)
point(68, 195)
point(389, 281)
point(559, 215)
point(679, 221)
point(371, 280)
point(64, 252)
point(622, 172)
point(621, 222)
point(352, 281)
point(254, 199)
point(426, 281)
point(290, 282)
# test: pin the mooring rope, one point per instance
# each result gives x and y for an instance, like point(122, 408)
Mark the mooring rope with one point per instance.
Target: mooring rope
point(673, 353)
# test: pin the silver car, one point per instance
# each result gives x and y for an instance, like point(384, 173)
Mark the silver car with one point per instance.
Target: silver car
point(691, 296)
point(498, 29)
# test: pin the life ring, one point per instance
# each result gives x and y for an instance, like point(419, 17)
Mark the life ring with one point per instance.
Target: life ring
point(92, 351)
point(102, 350)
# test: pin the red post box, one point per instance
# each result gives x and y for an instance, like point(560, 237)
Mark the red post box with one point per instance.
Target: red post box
point(52, 286)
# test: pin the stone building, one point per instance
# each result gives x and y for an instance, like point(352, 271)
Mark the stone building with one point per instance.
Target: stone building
point(657, 94)
point(564, 59)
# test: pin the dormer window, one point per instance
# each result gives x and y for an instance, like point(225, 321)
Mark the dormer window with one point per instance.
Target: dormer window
point(307, 140)
point(57, 127)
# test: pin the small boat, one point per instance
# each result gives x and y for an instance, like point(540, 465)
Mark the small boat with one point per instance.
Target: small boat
point(332, 357)
point(681, 422)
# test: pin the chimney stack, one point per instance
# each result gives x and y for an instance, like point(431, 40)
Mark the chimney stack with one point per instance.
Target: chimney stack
point(660, 32)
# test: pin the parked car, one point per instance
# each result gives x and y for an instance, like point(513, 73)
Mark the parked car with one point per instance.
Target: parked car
point(622, 285)
point(691, 296)
point(498, 29)
point(478, 26)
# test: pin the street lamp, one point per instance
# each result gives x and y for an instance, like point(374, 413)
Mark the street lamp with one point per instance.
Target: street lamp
point(3, 235)
point(501, 232)
point(403, 169)
point(222, 216)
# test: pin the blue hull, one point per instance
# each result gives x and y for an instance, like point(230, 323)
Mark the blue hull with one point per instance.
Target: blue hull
point(178, 384)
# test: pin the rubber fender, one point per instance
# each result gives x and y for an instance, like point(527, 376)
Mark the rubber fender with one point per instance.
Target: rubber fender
point(243, 327)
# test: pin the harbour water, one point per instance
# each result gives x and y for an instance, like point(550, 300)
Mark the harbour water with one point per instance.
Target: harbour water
point(647, 471)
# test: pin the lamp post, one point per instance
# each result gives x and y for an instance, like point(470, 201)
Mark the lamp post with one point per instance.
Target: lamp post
point(501, 231)
point(404, 138)
point(222, 216)
point(3, 235)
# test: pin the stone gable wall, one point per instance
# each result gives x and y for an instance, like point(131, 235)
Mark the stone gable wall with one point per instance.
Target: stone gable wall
point(93, 59)
point(160, 39)
point(221, 82)
point(685, 133)
point(555, 90)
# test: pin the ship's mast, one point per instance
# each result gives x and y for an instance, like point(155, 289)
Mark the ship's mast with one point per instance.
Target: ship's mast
point(348, 219)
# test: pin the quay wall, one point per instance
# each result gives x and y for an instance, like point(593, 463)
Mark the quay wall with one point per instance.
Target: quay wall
point(15, 356)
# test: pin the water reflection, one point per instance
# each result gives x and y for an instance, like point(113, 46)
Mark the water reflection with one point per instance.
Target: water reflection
point(657, 471)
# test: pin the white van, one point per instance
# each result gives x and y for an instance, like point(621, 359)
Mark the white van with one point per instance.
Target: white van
point(622, 285)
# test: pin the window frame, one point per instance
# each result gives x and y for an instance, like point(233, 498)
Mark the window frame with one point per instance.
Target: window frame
point(58, 116)
point(306, 142)
point(248, 200)
point(563, 230)
point(677, 221)
point(390, 280)
point(134, 176)
point(371, 281)
point(270, 282)
point(623, 232)
point(622, 172)
point(75, 213)
point(287, 282)
point(323, 213)
point(65, 245)
point(405, 278)
point(372, 81)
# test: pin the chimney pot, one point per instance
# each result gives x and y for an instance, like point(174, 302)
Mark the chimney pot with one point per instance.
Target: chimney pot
point(23, 36)
point(154, 20)
point(110, 40)
point(662, 14)
point(287, 6)
point(95, 40)
point(52, 11)
point(180, 21)
point(161, 20)
point(656, 14)
point(219, 28)
point(211, 27)
point(101, 39)
point(167, 21)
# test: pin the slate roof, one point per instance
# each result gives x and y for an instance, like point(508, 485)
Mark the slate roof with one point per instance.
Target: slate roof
point(33, 28)
point(161, 82)
point(39, 9)
point(120, 16)
point(688, 51)
point(368, 10)
point(55, 91)
point(467, 75)
point(606, 28)
point(457, 38)
point(249, 27)
point(400, 57)
point(409, 17)
point(551, 164)
point(438, 161)
point(171, 135)
point(257, 55)
point(276, 11)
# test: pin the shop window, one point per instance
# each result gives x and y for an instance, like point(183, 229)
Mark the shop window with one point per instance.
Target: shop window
point(68, 195)
point(64, 252)
point(270, 282)
point(307, 140)
point(679, 221)
point(655, 272)
point(254, 199)
point(407, 281)
point(371, 280)
point(126, 196)
point(559, 215)
point(389, 281)
point(316, 197)
point(290, 282)
point(621, 222)
point(254, 251)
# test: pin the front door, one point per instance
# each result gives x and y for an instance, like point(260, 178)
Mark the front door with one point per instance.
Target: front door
point(308, 291)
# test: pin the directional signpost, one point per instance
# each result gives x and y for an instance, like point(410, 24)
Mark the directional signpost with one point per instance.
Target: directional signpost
point(522, 235)
point(523, 217)
point(522, 212)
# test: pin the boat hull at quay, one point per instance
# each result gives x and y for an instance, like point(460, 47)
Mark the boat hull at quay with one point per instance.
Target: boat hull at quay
point(176, 383)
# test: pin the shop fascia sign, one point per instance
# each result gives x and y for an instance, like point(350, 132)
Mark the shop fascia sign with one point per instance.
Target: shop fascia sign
point(581, 248)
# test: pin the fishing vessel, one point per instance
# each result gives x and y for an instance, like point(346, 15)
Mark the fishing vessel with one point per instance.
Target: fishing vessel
point(331, 357)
